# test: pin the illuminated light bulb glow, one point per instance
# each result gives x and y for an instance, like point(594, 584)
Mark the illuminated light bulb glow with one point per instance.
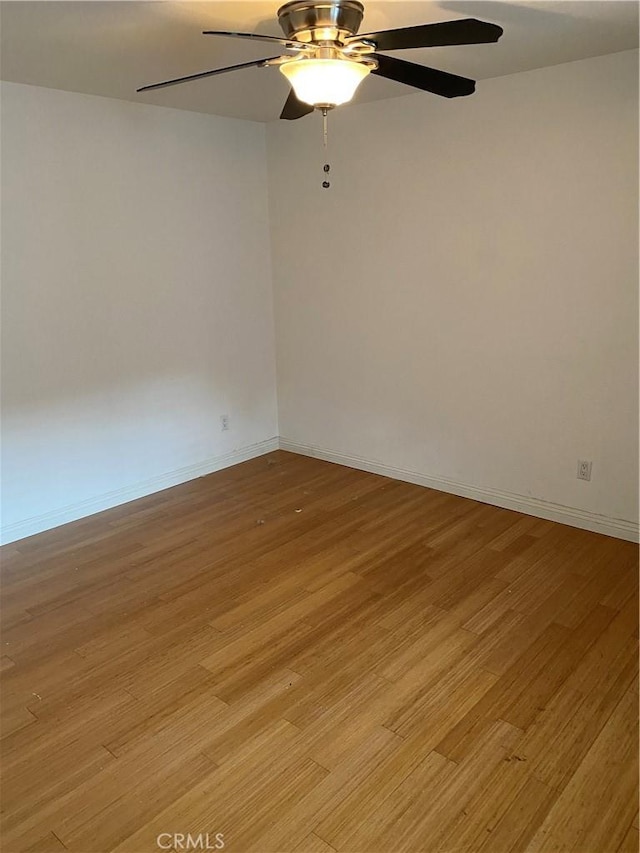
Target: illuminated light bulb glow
point(325, 82)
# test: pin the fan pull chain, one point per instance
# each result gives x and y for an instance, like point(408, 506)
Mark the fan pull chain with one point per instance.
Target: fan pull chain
point(325, 141)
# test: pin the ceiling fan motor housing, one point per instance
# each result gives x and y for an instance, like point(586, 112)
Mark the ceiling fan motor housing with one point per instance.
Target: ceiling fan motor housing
point(321, 22)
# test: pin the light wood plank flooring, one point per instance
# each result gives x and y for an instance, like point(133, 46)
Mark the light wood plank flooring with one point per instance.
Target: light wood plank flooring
point(303, 657)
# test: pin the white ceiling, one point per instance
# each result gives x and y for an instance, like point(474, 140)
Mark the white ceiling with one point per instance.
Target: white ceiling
point(111, 48)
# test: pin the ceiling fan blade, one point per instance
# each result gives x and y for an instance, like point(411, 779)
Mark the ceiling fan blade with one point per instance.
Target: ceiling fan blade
point(428, 79)
point(257, 63)
point(464, 31)
point(295, 108)
point(291, 43)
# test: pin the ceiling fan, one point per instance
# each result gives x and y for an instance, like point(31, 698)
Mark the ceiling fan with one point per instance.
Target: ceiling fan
point(327, 60)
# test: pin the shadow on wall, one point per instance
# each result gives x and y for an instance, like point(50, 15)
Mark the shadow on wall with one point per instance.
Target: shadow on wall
point(78, 448)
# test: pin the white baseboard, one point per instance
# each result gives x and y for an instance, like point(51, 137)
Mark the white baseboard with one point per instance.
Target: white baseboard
point(82, 509)
point(617, 527)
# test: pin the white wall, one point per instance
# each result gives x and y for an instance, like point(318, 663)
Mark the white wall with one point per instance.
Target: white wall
point(462, 304)
point(136, 300)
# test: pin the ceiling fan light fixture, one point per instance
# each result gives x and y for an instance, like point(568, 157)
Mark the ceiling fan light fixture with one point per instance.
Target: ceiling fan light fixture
point(325, 83)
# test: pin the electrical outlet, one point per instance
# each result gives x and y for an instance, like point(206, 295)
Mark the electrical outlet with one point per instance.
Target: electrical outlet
point(224, 422)
point(584, 469)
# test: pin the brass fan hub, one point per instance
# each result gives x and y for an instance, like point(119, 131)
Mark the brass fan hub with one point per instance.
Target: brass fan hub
point(315, 23)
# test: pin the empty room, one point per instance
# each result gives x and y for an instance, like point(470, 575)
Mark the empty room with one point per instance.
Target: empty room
point(319, 426)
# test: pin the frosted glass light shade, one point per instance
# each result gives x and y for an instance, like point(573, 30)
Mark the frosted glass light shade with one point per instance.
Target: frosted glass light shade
point(324, 82)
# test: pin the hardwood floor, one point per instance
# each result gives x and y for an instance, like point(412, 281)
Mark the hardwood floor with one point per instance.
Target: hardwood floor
point(303, 657)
